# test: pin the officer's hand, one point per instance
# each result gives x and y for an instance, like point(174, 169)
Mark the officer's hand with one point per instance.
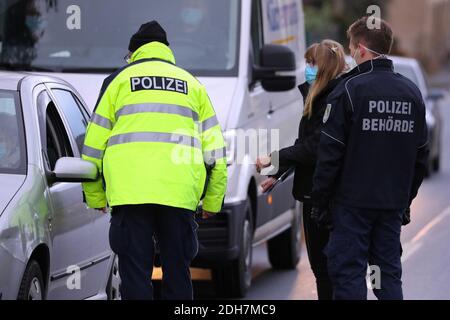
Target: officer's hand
point(207, 214)
point(262, 162)
point(322, 217)
point(266, 184)
point(102, 210)
point(406, 217)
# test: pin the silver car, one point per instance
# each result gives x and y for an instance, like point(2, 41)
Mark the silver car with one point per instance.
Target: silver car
point(411, 69)
point(51, 245)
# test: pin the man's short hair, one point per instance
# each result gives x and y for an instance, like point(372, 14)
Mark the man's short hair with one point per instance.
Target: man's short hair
point(377, 39)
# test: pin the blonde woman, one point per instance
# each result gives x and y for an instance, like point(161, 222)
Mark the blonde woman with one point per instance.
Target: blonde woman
point(325, 63)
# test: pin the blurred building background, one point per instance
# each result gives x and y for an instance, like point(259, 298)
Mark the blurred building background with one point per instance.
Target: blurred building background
point(422, 27)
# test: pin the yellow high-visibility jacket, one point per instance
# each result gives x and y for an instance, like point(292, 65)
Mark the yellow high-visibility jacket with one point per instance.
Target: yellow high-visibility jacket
point(151, 133)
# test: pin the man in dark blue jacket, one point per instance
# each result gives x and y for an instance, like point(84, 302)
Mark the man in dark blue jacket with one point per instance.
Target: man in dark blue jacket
point(371, 163)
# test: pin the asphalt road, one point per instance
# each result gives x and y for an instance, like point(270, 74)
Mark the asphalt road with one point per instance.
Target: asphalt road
point(426, 244)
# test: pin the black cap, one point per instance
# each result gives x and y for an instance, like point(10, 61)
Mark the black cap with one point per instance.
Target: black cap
point(148, 32)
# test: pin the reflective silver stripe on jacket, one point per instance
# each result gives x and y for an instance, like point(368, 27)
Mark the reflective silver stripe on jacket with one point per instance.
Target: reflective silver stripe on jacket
point(209, 123)
point(92, 152)
point(210, 157)
point(159, 108)
point(155, 137)
point(101, 121)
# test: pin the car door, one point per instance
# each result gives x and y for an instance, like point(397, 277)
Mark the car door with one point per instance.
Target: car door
point(77, 117)
point(71, 223)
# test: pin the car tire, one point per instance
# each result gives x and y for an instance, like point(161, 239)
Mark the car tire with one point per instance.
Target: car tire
point(234, 280)
point(284, 250)
point(32, 285)
point(114, 282)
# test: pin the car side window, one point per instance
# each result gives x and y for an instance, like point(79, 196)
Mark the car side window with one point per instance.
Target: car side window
point(82, 108)
point(70, 106)
point(56, 140)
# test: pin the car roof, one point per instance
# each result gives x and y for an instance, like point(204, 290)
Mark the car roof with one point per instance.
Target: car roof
point(404, 61)
point(397, 60)
point(10, 80)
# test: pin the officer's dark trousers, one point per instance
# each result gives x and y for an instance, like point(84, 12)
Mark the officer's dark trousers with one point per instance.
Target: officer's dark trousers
point(316, 239)
point(131, 238)
point(361, 237)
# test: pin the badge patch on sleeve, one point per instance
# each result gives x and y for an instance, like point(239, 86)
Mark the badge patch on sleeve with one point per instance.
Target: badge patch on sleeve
point(327, 113)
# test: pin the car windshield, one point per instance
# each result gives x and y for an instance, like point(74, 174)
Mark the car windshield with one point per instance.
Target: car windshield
point(93, 35)
point(12, 146)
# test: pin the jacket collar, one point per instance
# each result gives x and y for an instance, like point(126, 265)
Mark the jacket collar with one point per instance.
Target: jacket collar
point(330, 87)
point(304, 89)
point(153, 50)
point(376, 64)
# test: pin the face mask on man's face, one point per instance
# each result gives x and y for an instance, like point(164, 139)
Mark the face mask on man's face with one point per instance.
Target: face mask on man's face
point(354, 58)
point(354, 62)
point(379, 55)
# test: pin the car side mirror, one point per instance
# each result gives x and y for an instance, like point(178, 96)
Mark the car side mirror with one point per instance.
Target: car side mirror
point(74, 170)
point(277, 69)
point(436, 94)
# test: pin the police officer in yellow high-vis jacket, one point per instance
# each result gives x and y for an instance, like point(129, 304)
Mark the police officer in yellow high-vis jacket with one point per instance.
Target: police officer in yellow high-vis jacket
point(152, 136)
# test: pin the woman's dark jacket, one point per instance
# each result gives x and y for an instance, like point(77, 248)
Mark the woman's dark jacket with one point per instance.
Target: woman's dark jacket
point(303, 154)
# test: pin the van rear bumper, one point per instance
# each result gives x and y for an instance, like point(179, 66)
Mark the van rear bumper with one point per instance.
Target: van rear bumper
point(218, 236)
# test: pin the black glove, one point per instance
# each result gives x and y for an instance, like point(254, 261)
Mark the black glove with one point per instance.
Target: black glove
point(406, 217)
point(322, 217)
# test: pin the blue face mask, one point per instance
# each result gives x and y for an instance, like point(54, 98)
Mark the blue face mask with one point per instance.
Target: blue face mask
point(311, 74)
point(3, 150)
point(192, 16)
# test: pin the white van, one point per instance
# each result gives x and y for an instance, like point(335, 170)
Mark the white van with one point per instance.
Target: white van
point(248, 54)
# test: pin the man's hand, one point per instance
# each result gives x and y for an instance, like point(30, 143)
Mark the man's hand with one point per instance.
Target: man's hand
point(266, 184)
point(406, 217)
point(322, 217)
point(207, 214)
point(102, 210)
point(263, 162)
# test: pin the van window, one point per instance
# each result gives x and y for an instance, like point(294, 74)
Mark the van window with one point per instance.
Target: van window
point(283, 24)
point(65, 35)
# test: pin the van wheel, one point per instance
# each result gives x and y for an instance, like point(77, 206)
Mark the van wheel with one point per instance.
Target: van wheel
point(234, 280)
point(32, 285)
point(284, 250)
point(114, 282)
